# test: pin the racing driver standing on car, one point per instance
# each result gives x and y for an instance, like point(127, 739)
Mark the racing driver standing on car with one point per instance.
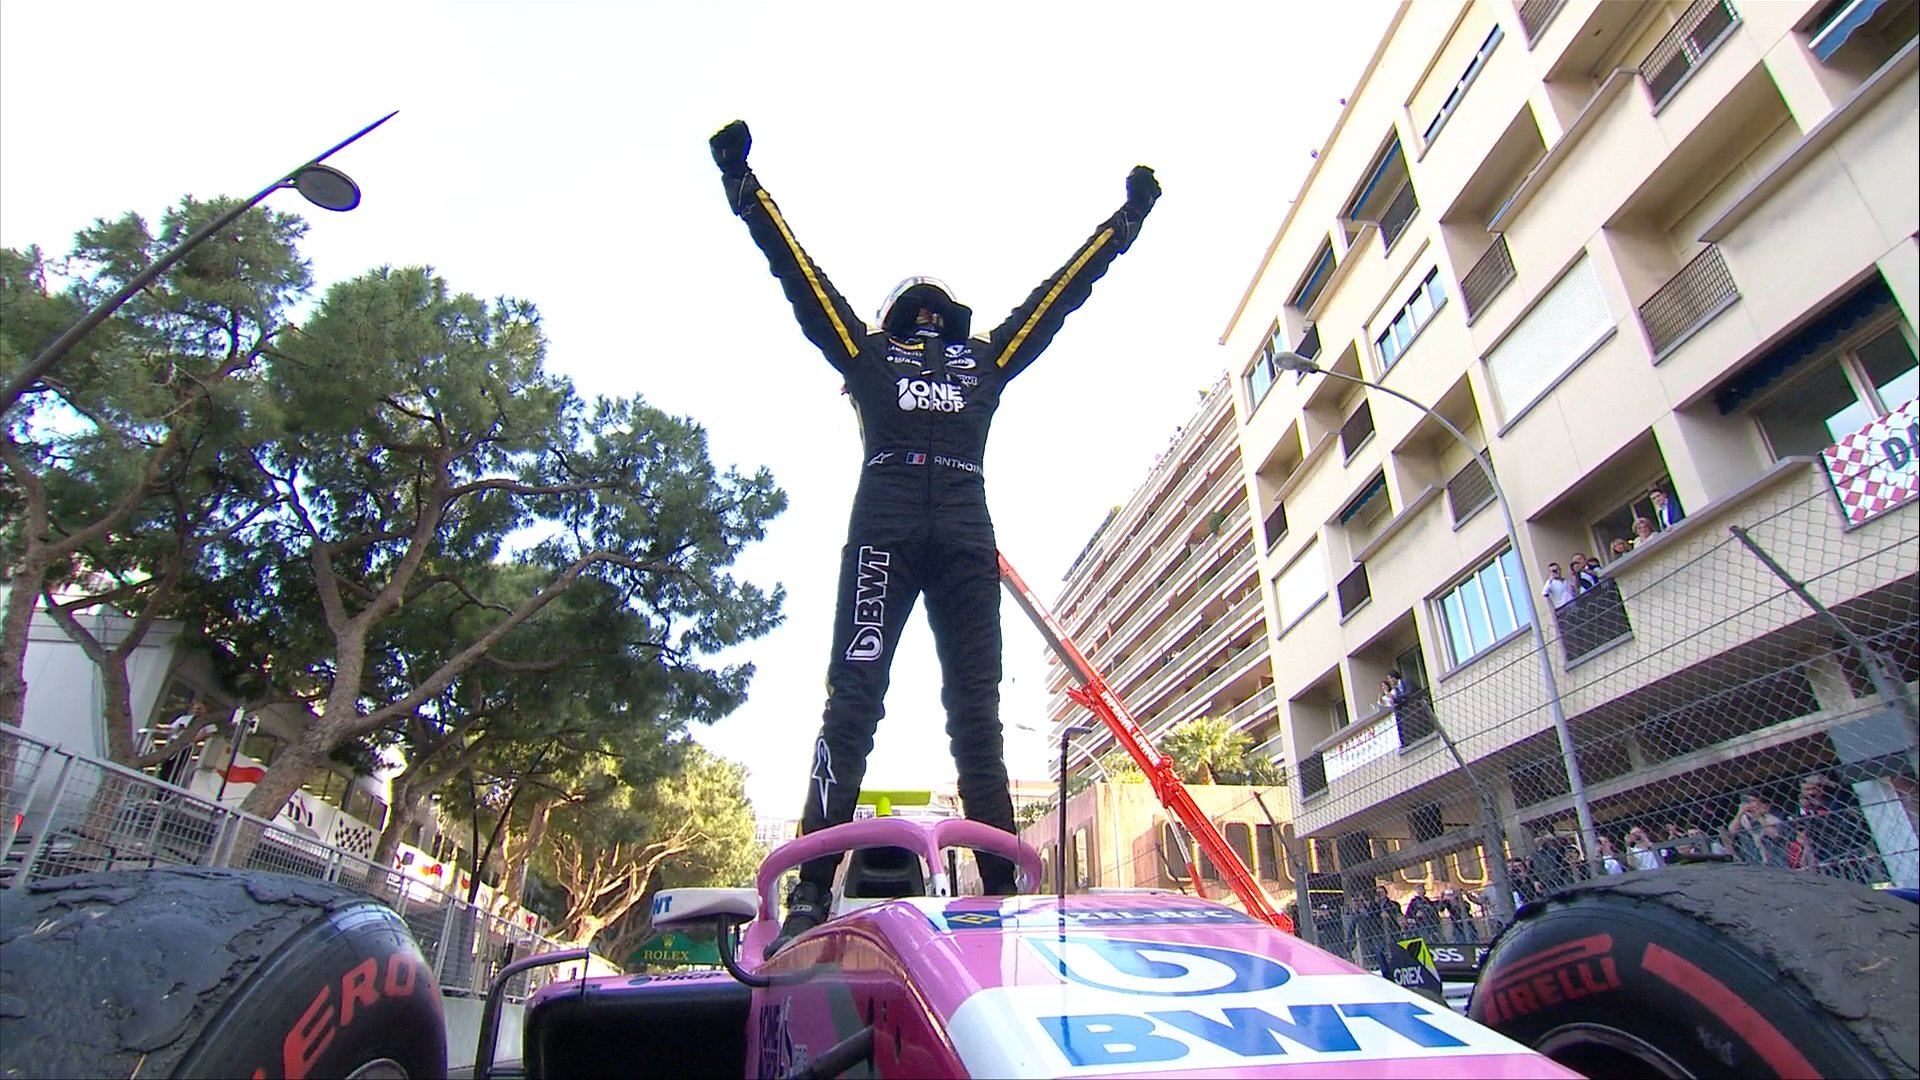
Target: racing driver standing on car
point(924, 390)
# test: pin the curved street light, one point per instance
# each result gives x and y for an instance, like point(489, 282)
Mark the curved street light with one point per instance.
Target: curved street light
point(1290, 361)
point(322, 185)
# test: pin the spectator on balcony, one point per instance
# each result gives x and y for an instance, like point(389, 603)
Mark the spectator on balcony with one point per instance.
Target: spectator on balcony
point(1423, 914)
point(1390, 915)
point(1327, 931)
point(1609, 855)
point(1366, 932)
point(1640, 849)
point(1756, 834)
point(1666, 511)
point(1458, 914)
point(1525, 888)
point(1387, 700)
point(1618, 549)
point(1643, 531)
point(1828, 836)
point(1558, 590)
point(1586, 575)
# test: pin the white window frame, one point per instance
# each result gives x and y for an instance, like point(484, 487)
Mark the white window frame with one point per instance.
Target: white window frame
point(1846, 355)
point(1520, 610)
point(1290, 619)
point(1403, 327)
point(1459, 93)
point(1263, 361)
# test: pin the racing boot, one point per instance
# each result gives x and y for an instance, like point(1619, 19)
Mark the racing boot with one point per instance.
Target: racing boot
point(807, 907)
point(997, 876)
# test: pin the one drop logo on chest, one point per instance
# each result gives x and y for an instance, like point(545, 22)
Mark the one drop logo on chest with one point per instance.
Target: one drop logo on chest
point(925, 394)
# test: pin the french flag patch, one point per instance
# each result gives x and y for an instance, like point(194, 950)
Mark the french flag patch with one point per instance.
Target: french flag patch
point(916, 459)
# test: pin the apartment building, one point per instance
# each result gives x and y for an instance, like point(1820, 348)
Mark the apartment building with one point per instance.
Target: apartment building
point(1165, 599)
point(1624, 247)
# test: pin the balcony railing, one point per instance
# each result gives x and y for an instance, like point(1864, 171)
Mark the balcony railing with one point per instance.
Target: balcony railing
point(1356, 430)
point(1251, 707)
point(1237, 664)
point(1702, 289)
point(1701, 29)
point(1355, 590)
point(1592, 620)
point(1490, 275)
point(1313, 775)
point(1309, 345)
point(1414, 717)
point(1469, 490)
point(1276, 525)
point(1400, 211)
point(1535, 15)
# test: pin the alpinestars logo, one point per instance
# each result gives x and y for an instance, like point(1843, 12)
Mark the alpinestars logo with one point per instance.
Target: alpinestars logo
point(822, 772)
point(869, 606)
point(933, 396)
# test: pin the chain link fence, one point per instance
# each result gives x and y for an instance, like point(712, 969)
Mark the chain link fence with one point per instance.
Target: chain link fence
point(1738, 687)
point(67, 813)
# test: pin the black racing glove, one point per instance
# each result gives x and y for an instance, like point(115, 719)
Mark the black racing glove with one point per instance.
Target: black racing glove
point(730, 145)
point(1142, 190)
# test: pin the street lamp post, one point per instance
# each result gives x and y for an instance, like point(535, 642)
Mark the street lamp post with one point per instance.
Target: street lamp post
point(1583, 810)
point(1067, 734)
point(323, 185)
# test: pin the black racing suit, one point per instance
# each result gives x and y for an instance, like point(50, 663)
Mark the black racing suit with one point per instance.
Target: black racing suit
point(919, 524)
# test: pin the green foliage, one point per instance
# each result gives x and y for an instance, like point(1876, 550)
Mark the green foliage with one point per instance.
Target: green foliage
point(397, 515)
point(436, 493)
point(1119, 767)
point(1114, 766)
point(1207, 750)
point(606, 854)
point(115, 461)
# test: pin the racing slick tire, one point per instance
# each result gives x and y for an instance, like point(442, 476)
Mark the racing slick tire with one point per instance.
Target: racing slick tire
point(195, 972)
point(1711, 970)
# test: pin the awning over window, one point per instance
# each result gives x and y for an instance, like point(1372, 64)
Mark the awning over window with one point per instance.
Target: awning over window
point(1823, 331)
point(1380, 172)
point(1374, 491)
point(1835, 33)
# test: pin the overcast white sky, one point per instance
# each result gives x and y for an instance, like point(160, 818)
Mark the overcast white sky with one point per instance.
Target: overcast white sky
point(558, 152)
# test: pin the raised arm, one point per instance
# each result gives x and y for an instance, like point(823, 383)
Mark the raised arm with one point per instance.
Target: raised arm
point(824, 314)
point(1025, 333)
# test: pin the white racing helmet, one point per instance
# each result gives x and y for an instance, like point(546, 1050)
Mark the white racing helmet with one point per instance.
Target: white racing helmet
point(908, 297)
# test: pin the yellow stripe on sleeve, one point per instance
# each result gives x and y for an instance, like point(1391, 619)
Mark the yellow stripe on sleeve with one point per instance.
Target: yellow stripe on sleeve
point(800, 257)
point(1052, 295)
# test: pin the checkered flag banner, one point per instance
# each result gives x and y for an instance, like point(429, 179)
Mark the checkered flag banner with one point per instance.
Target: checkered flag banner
point(1877, 468)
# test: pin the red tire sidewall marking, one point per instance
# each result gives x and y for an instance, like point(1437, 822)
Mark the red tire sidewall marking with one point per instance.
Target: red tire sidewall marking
point(1768, 1041)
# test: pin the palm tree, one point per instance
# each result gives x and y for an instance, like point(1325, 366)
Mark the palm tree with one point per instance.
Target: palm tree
point(1114, 766)
point(1206, 746)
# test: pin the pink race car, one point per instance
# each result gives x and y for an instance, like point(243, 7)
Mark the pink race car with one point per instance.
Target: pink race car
point(908, 981)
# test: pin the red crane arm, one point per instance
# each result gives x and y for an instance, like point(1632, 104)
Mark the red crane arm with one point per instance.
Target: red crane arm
point(1097, 697)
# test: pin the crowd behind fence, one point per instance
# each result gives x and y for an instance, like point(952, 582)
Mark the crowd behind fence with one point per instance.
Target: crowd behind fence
point(1751, 700)
point(67, 813)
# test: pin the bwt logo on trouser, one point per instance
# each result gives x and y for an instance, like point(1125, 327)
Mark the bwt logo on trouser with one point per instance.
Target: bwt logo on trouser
point(870, 606)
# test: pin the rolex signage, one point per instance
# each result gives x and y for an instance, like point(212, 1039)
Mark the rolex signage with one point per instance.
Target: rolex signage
point(674, 949)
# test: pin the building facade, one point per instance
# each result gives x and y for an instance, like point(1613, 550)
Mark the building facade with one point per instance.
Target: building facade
point(1657, 261)
point(1165, 600)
